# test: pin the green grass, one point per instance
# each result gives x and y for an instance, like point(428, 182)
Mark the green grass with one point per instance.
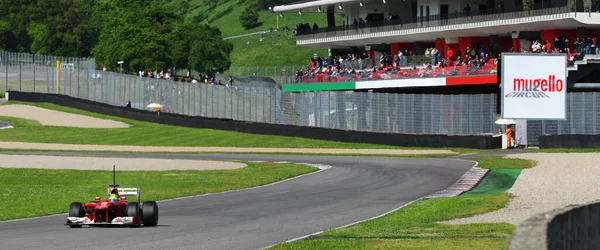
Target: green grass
point(276, 51)
point(224, 14)
point(418, 220)
point(416, 227)
point(152, 134)
point(230, 23)
point(461, 244)
point(499, 162)
point(497, 181)
point(51, 191)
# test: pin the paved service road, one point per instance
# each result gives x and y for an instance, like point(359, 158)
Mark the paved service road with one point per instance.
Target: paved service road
point(354, 189)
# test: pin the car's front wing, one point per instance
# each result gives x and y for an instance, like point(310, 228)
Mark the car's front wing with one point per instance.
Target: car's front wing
point(115, 221)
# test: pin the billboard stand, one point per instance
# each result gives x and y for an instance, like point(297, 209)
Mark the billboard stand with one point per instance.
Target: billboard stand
point(533, 87)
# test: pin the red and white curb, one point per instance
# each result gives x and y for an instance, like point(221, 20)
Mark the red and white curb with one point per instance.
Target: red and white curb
point(467, 182)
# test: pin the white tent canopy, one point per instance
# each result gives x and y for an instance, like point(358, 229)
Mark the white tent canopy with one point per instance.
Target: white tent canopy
point(505, 122)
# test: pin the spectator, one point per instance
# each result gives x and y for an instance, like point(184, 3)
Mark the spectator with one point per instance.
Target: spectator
point(230, 81)
point(449, 54)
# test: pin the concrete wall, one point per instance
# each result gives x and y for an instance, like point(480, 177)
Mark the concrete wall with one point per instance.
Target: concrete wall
point(394, 139)
point(569, 141)
point(569, 228)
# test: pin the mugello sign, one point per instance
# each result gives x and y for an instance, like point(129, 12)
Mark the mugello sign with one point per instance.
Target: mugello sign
point(534, 86)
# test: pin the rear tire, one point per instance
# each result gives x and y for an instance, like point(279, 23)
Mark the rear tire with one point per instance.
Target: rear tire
point(150, 213)
point(76, 210)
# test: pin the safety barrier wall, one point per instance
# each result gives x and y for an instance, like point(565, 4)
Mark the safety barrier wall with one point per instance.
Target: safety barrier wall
point(575, 227)
point(395, 139)
point(570, 141)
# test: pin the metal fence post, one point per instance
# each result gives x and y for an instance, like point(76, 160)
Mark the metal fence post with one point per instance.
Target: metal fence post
point(224, 102)
point(218, 101)
point(133, 95)
point(68, 71)
point(212, 101)
point(33, 60)
point(114, 89)
point(47, 75)
point(20, 77)
point(188, 92)
point(6, 66)
point(206, 100)
point(329, 108)
point(256, 104)
point(95, 82)
point(77, 70)
point(271, 106)
point(183, 97)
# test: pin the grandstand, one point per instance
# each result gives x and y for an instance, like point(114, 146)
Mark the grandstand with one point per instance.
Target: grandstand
point(392, 45)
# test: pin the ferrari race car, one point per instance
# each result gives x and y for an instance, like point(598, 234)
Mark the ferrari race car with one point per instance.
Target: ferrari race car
point(116, 211)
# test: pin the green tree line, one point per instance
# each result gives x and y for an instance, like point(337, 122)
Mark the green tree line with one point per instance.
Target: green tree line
point(146, 34)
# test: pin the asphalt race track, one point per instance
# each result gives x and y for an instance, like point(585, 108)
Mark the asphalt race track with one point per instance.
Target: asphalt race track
point(354, 189)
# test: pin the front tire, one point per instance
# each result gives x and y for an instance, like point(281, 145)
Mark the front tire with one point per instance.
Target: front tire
point(150, 213)
point(133, 210)
point(76, 210)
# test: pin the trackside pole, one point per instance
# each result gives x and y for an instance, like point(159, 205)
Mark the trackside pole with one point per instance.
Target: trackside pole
point(57, 75)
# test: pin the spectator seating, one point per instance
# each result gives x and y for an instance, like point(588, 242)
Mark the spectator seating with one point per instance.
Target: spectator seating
point(402, 73)
point(344, 74)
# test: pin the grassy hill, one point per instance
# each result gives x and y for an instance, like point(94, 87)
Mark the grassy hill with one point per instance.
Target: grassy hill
point(281, 50)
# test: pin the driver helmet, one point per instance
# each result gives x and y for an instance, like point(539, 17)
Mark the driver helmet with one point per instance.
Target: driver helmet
point(114, 195)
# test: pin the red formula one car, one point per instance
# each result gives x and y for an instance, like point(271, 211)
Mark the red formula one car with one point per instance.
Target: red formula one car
point(116, 211)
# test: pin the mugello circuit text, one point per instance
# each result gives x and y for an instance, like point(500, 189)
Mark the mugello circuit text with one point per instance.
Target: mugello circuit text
point(535, 88)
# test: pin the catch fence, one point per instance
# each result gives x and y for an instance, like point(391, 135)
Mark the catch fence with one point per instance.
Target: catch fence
point(463, 114)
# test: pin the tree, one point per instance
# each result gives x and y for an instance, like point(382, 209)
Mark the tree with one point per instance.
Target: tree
point(13, 25)
point(57, 27)
point(209, 53)
point(137, 32)
point(249, 18)
point(63, 27)
point(182, 37)
point(200, 47)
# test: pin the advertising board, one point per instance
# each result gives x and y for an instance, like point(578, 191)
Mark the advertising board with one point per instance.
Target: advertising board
point(534, 86)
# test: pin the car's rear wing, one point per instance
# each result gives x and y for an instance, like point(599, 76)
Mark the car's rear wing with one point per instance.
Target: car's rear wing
point(127, 192)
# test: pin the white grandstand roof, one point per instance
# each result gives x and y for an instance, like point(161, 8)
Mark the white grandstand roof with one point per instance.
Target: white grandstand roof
point(311, 4)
